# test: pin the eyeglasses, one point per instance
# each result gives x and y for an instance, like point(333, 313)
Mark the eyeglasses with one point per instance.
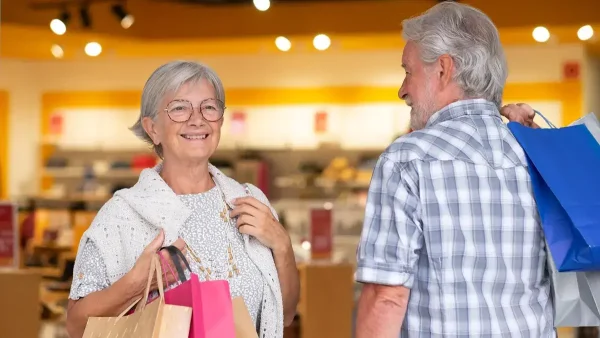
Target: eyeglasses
point(180, 111)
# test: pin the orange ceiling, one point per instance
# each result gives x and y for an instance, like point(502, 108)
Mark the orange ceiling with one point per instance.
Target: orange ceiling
point(22, 42)
point(159, 19)
point(167, 30)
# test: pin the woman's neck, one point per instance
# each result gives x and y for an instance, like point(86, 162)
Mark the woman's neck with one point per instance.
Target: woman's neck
point(190, 179)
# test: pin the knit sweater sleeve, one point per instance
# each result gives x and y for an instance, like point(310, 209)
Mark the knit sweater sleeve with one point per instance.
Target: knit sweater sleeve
point(89, 275)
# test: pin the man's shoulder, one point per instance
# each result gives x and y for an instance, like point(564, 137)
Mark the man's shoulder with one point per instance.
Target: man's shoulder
point(431, 143)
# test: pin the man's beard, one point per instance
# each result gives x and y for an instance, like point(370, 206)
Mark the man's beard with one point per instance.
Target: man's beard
point(421, 111)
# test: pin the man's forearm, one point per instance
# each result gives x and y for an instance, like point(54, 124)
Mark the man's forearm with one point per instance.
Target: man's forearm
point(380, 312)
point(285, 262)
point(109, 302)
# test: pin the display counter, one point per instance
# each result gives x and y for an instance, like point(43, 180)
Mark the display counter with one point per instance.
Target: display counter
point(326, 300)
point(20, 303)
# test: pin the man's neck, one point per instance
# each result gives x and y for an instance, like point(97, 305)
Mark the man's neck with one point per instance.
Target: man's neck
point(450, 95)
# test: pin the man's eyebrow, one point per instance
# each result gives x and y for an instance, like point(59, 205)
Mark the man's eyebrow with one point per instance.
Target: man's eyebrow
point(404, 66)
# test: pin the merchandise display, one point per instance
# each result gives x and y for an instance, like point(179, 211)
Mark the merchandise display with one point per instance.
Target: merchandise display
point(308, 111)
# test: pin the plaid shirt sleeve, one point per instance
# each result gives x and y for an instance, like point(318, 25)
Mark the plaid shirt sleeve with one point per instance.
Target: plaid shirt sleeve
point(392, 235)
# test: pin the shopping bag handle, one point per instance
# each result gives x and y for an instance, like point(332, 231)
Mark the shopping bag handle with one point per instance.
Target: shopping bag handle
point(178, 257)
point(164, 262)
point(550, 124)
point(155, 269)
point(129, 307)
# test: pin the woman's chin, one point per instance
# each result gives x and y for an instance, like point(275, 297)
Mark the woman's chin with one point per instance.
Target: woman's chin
point(197, 155)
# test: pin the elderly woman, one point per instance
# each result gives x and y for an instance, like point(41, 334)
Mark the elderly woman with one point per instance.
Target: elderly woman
point(228, 230)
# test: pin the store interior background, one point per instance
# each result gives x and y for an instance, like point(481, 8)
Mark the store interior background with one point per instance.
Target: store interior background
point(305, 125)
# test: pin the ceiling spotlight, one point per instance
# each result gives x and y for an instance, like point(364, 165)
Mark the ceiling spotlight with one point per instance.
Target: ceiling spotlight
point(93, 49)
point(86, 20)
point(59, 25)
point(57, 51)
point(283, 44)
point(262, 5)
point(321, 42)
point(125, 18)
point(585, 33)
point(541, 34)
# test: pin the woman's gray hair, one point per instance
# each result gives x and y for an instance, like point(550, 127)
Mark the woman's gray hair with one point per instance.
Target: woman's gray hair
point(470, 38)
point(165, 80)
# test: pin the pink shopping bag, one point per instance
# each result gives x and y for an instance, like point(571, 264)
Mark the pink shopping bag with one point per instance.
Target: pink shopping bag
point(212, 310)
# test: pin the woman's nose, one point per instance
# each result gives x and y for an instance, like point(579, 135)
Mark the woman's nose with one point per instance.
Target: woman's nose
point(196, 119)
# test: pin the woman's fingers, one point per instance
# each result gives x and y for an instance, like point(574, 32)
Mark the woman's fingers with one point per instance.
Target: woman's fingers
point(179, 244)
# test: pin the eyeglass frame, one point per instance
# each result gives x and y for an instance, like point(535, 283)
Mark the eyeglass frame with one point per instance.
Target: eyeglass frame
point(194, 109)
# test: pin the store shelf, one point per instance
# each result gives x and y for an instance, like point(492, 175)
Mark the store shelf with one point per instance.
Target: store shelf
point(78, 174)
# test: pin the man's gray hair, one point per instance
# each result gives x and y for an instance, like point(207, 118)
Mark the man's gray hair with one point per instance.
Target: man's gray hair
point(165, 80)
point(470, 38)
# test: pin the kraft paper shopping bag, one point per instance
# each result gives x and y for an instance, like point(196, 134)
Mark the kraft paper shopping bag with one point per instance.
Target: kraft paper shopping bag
point(154, 320)
point(244, 327)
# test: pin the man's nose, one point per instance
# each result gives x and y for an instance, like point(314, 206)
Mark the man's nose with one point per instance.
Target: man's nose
point(401, 92)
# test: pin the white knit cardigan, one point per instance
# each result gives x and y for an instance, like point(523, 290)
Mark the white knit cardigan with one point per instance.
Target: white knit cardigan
point(131, 219)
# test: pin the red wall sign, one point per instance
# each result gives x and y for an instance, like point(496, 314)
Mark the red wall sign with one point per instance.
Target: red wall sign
point(321, 234)
point(571, 70)
point(320, 122)
point(56, 124)
point(9, 235)
point(238, 123)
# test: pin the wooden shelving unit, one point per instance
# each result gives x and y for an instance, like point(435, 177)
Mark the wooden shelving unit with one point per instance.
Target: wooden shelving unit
point(326, 300)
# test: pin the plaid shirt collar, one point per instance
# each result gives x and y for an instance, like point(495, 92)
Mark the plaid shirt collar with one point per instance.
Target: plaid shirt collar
point(463, 108)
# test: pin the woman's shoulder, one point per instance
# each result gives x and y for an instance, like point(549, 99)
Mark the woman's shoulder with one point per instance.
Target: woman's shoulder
point(113, 213)
point(115, 206)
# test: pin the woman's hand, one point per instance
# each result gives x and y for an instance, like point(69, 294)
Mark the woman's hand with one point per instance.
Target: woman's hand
point(138, 275)
point(255, 219)
point(521, 113)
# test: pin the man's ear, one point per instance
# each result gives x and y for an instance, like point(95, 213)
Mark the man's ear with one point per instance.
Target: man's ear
point(150, 128)
point(446, 69)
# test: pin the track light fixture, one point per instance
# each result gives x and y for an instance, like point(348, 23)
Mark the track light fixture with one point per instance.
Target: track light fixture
point(125, 18)
point(59, 25)
point(64, 17)
point(84, 14)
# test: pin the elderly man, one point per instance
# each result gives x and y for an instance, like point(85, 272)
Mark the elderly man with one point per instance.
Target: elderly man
point(452, 245)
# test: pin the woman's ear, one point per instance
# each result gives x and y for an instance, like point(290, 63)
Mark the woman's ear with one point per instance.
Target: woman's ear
point(150, 128)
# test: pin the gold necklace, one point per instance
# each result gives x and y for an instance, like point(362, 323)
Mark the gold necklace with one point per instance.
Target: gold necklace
point(233, 269)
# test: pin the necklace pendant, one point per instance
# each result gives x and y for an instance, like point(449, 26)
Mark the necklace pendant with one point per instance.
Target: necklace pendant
point(225, 214)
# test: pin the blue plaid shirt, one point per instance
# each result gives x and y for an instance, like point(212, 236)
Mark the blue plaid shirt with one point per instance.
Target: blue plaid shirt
point(451, 215)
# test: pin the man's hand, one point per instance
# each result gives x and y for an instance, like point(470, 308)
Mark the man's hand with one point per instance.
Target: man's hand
point(521, 113)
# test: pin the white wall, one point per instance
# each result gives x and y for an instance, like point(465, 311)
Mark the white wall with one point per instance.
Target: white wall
point(361, 126)
point(25, 106)
point(26, 81)
point(592, 84)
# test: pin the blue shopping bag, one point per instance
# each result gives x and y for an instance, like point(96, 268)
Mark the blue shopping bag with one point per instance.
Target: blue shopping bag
point(564, 164)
